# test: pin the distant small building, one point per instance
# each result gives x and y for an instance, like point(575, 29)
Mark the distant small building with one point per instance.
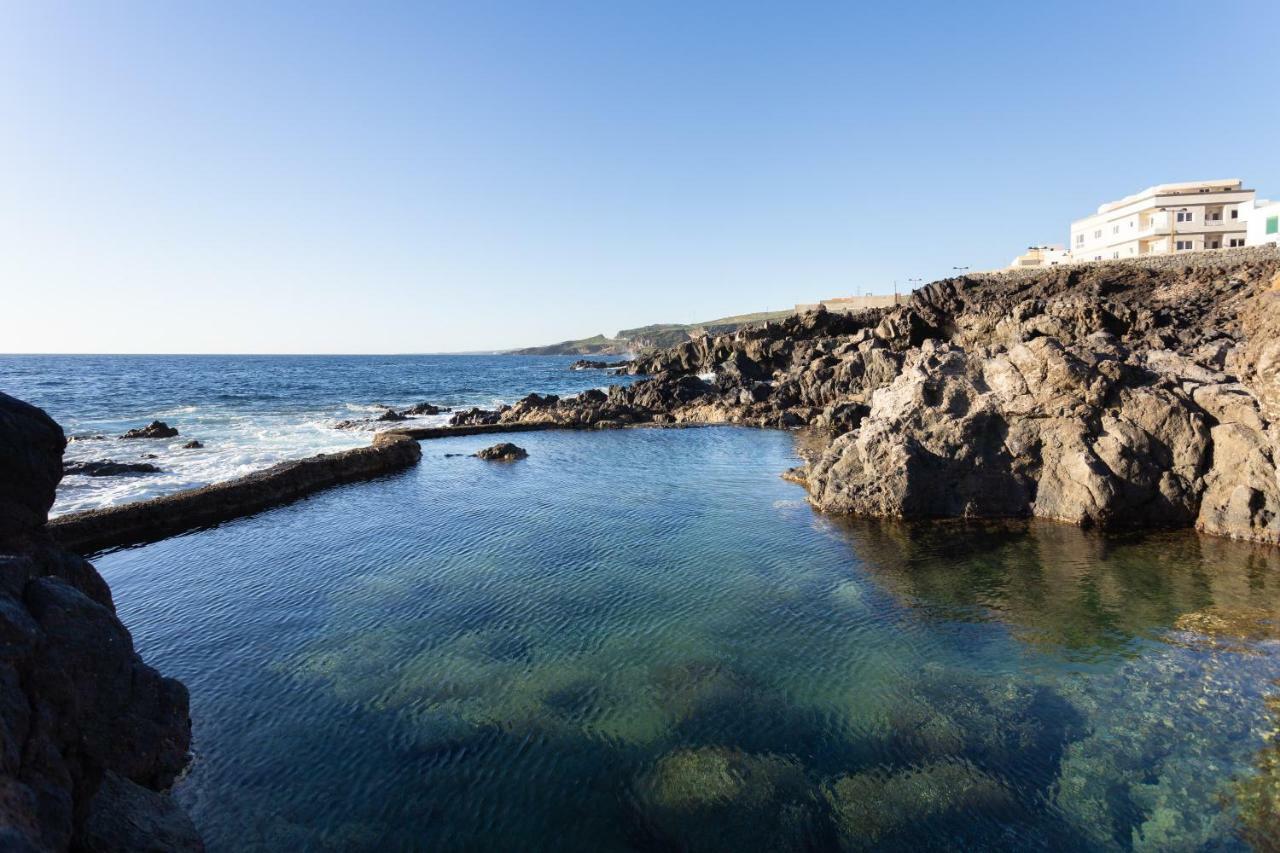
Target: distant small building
point(1165, 218)
point(1264, 224)
point(847, 304)
point(1041, 256)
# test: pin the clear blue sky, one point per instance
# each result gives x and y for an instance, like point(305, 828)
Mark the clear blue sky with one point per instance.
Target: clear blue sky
point(314, 177)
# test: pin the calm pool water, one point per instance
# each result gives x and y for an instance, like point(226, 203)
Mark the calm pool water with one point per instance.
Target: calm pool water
point(645, 640)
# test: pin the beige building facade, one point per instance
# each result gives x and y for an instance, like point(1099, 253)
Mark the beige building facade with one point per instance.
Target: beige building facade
point(1184, 217)
point(1041, 256)
point(847, 304)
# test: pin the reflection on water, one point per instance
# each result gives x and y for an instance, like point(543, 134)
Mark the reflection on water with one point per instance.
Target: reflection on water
point(645, 640)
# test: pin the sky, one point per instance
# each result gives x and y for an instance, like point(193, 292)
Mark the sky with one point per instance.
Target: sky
point(433, 177)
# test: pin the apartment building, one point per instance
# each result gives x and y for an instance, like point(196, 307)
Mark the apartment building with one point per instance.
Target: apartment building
point(1165, 218)
point(1040, 256)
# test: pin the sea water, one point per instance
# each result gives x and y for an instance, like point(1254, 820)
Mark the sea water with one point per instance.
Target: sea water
point(645, 640)
point(250, 412)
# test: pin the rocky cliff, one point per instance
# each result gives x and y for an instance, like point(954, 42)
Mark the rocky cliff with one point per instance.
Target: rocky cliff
point(90, 736)
point(1122, 394)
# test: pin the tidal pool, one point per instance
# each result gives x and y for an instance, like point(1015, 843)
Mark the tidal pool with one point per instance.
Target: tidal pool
point(646, 640)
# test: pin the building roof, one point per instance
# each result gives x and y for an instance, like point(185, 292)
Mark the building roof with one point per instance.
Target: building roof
point(1169, 189)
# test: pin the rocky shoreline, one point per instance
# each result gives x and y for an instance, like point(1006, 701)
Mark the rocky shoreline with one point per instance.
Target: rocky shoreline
point(1123, 394)
point(90, 736)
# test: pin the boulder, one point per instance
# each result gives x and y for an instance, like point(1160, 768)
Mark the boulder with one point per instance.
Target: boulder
point(424, 409)
point(31, 446)
point(155, 429)
point(504, 452)
point(474, 417)
point(193, 445)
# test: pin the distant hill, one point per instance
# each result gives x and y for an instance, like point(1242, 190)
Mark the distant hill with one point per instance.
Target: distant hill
point(649, 337)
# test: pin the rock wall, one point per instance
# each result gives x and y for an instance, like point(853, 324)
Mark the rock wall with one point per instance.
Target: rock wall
point(90, 736)
point(144, 521)
point(1117, 394)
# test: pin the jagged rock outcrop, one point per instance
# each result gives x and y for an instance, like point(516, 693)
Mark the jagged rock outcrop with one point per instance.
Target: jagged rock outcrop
point(1116, 394)
point(90, 736)
point(155, 429)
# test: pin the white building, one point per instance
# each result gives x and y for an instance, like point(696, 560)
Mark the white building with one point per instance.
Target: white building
point(1264, 223)
point(1041, 256)
point(1165, 218)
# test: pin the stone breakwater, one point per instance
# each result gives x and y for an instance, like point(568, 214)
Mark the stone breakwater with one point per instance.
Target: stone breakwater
point(90, 736)
point(1140, 393)
point(144, 521)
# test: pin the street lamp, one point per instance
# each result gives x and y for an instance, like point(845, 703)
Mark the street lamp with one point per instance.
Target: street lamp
point(914, 282)
point(960, 270)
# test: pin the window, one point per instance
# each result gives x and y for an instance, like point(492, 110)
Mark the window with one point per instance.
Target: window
point(1214, 217)
point(1214, 244)
point(1184, 216)
point(1235, 214)
point(1115, 229)
point(1273, 224)
point(1079, 239)
point(1184, 245)
point(1097, 234)
point(1235, 242)
point(1115, 254)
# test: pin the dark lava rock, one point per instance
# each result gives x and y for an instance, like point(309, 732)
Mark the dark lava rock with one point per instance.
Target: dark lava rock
point(588, 364)
point(504, 452)
point(107, 468)
point(155, 429)
point(348, 424)
point(474, 417)
point(425, 409)
point(192, 445)
point(86, 728)
point(126, 816)
point(31, 446)
point(391, 415)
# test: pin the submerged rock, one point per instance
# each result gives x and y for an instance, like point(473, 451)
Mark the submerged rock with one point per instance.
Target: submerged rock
point(504, 452)
point(193, 445)
point(871, 808)
point(716, 798)
point(155, 429)
point(108, 468)
point(90, 732)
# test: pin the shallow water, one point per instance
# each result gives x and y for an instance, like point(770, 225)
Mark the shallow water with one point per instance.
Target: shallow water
point(251, 412)
point(646, 640)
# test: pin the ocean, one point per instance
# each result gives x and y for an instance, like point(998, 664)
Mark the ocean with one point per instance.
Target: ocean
point(250, 412)
point(645, 639)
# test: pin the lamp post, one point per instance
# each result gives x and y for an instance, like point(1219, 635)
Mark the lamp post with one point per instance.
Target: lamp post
point(961, 270)
point(914, 282)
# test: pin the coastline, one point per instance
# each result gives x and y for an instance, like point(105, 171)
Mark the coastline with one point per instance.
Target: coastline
point(901, 405)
